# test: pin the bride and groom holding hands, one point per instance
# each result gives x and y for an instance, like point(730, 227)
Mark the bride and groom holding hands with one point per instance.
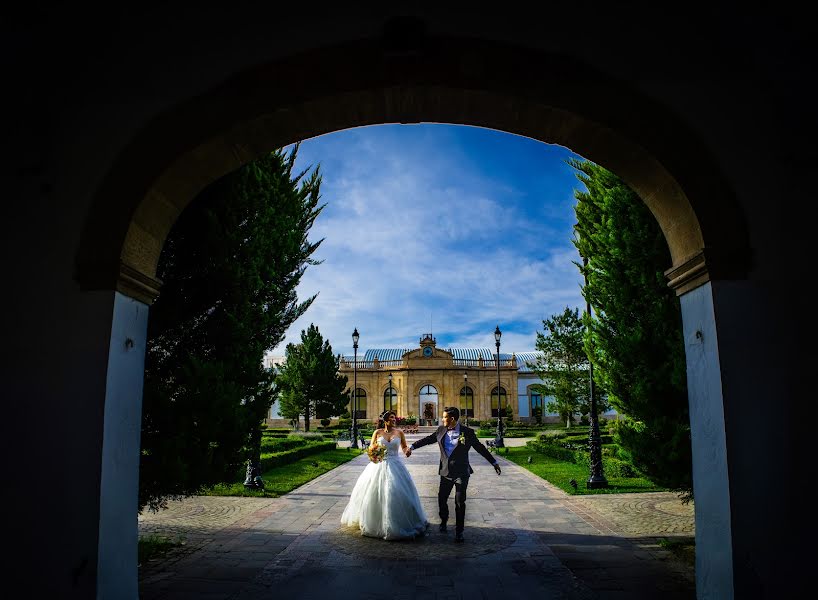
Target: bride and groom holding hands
point(385, 503)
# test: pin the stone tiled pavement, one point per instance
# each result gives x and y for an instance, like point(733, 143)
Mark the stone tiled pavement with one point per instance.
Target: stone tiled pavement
point(524, 539)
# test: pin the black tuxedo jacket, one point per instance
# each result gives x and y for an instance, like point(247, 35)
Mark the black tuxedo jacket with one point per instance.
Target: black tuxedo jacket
point(457, 464)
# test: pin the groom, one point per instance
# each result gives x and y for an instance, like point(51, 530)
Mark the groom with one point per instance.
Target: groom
point(454, 441)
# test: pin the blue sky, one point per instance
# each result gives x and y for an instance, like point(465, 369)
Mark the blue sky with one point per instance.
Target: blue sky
point(438, 228)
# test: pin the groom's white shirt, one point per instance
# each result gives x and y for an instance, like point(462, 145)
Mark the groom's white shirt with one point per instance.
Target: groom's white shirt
point(450, 439)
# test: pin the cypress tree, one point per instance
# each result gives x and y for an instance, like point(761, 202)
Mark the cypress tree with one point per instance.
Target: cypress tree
point(230, 267)
point(636, 342)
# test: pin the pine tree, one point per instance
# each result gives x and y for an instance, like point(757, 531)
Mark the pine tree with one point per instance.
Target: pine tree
point(309, 382)
point(230, 268)
point(636, 342)
point(563, 366)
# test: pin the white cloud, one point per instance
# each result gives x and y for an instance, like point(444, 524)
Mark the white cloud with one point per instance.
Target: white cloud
point(411, 234)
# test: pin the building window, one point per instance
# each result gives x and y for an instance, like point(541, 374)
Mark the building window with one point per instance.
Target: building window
point(494, 401)
point(390, 399)
point(361, 413)
point(537, 408)
point(466, 402)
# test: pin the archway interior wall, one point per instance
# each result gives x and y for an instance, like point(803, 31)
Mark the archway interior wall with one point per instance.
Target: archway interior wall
point(175, 189)
point(554, 99)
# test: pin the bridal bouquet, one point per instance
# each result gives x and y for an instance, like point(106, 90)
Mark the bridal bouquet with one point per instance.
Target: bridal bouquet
point(376, 452)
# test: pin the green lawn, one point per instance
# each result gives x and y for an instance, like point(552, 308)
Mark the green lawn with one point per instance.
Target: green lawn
point(280, 480)
point(561, 473)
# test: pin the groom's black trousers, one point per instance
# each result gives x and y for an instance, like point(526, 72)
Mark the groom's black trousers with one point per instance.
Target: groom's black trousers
point(459, 484)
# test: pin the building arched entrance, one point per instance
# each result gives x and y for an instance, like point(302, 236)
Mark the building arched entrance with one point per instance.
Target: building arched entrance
point(428, 405)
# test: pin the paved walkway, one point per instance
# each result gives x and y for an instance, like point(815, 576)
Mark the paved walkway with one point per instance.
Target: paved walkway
point(524, 539)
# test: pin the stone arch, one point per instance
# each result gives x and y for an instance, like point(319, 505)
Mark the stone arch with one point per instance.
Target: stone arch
point(422, 384)
point(541, 96)
point(548, 97)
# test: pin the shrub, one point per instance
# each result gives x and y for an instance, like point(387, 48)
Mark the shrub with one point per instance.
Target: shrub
point(613, 467)
point(552, 451)
point(282, 444)
point(268, 461)
point(307, 435)
point(558, 449)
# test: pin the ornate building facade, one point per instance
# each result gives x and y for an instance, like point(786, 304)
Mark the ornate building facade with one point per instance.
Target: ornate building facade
point(422, 381)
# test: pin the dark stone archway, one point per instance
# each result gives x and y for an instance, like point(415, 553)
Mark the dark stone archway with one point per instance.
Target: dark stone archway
point(112, 130)
point(548, 98)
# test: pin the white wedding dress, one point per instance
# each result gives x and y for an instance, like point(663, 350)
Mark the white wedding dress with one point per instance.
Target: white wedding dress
point(385, 502)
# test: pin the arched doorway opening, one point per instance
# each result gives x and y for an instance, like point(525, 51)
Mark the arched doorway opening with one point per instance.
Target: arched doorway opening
point(466, 403)
point(428, 407)
point(499, 401)
point(390, 398)
point(360, 403)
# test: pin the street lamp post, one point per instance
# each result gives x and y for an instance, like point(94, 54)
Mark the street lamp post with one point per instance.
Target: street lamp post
point(597, 476)
point(465, 398)
point(498, 440)
point(253, 478)
point(354, 436)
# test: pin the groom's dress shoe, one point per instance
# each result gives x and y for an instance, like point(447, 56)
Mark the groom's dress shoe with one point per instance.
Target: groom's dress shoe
point(458, 537)
point(442, 528)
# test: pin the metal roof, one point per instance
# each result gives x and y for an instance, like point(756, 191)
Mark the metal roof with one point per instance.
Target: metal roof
point(472, 353)
point(386, 353)
point(526, 357)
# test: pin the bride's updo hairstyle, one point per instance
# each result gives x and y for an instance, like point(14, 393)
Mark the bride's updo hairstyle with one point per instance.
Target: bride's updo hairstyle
point(383, 416)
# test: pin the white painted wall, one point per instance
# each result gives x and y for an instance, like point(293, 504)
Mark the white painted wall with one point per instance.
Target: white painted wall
point(119, 488)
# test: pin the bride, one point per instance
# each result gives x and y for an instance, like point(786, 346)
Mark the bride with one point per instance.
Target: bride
point(385, 502)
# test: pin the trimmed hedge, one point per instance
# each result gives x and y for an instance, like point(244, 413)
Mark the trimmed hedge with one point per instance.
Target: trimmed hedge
point(278, 459)
point(266, 435)
point(553, 451)
point(272, 445)
point(613, 467)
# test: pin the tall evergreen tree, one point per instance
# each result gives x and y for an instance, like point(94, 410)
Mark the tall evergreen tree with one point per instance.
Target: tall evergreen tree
point(563, 366)
point(309, 382)
point(230, 268)
point(636, 343)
